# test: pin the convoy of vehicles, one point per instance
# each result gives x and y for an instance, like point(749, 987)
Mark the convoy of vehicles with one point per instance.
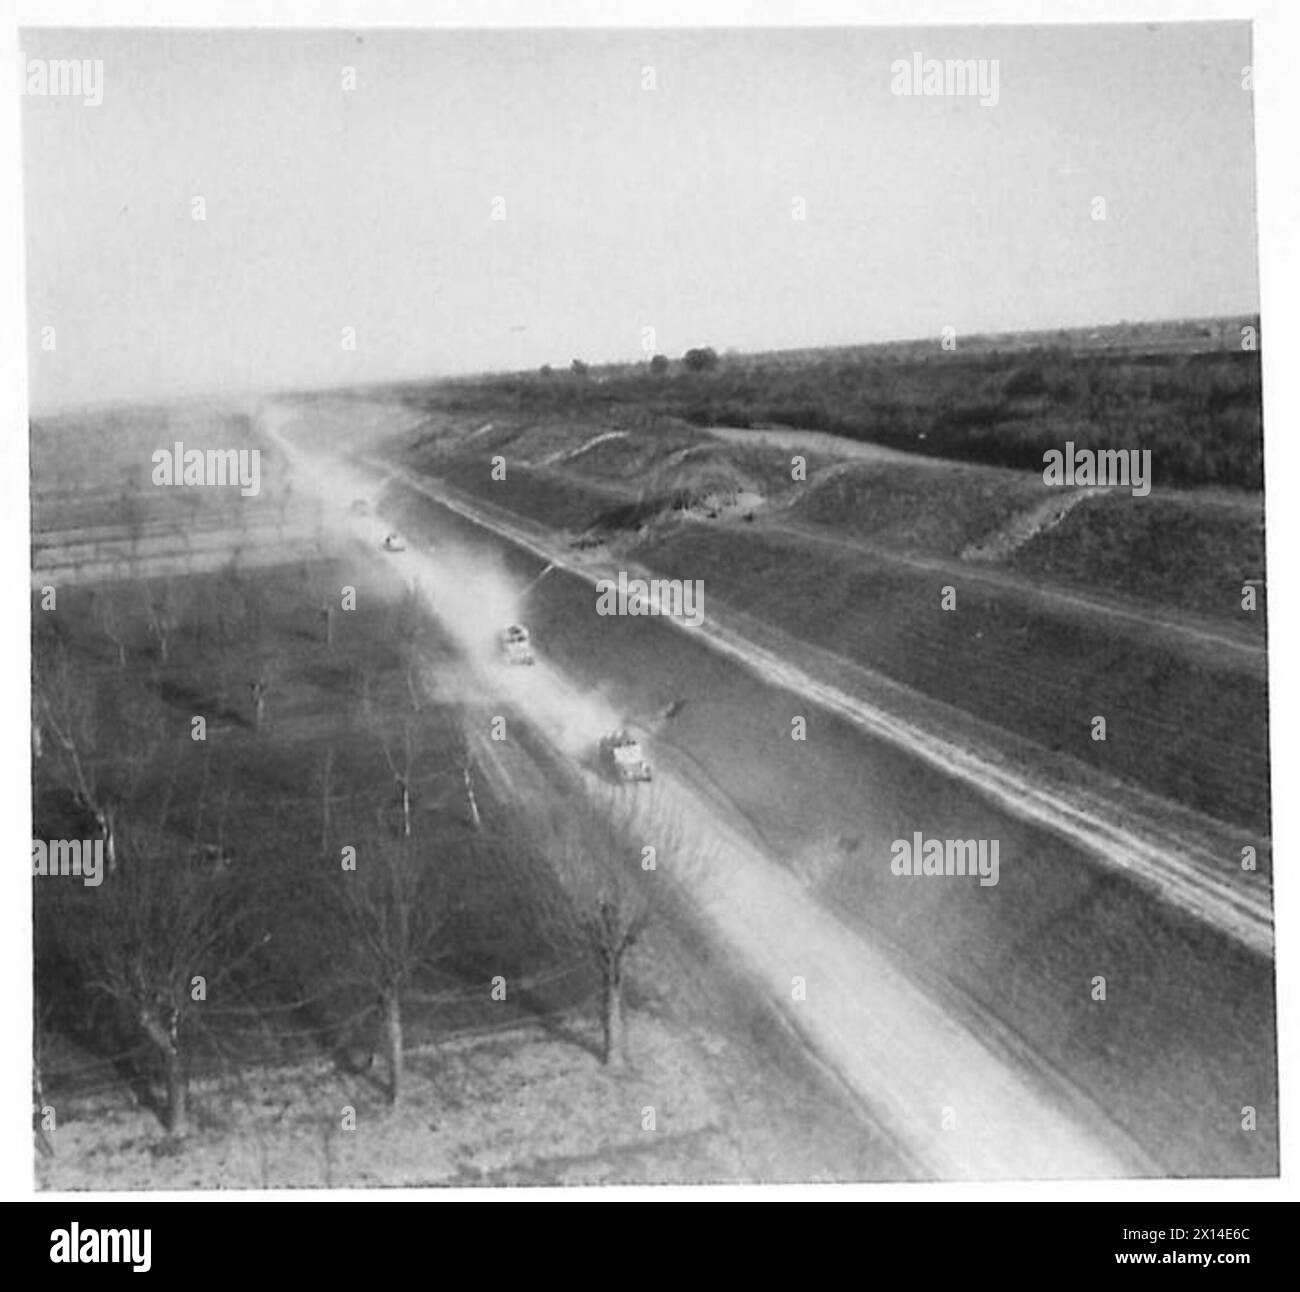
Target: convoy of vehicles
point(619, 755)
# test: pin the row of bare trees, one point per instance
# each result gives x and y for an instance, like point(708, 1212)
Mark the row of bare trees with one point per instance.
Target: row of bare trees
point(392, 914)
point(165, 936)
point(157, 935)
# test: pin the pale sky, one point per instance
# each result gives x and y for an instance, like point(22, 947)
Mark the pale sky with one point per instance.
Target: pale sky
point(626, 207)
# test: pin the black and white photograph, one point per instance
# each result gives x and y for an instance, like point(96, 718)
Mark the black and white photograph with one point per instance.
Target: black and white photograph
point(646, 605)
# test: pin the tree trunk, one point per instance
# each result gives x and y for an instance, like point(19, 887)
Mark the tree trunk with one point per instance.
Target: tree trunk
point(615, 1024)
point(177, 1093)
point(104, 819)
point(393, 1033)
point(327, 615)
point(473, 802)
point(167, 1039)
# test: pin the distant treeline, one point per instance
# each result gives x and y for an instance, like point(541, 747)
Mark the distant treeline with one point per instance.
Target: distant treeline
point(1198, 413)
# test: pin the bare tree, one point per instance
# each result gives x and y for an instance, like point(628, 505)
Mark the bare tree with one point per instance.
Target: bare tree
point(389, 915)
point(413, 690)
point(161, 938)
point(164, 615)
point(471, 799)
point(402, 769)
point(606, 902)
point(260, 687)
point(111, 619)
point(322, 595)
point(102, 739)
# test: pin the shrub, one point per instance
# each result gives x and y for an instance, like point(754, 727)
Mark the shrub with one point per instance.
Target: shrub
point(704, 359)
